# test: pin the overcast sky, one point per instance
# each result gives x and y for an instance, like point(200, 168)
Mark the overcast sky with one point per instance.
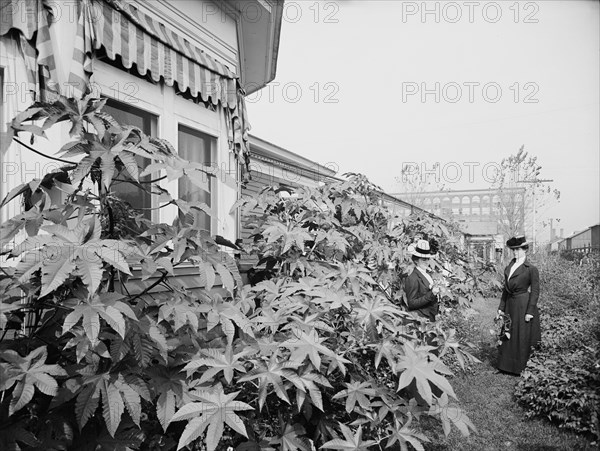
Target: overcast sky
point(370, 86)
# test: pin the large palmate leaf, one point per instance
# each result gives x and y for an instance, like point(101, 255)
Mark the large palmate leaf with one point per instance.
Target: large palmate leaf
point(388, 349)
point(357, 392)
point(111, 156)
point(30, 220)
point(375, 310)
point(272, 374)
point(217, 361)
point(65, 252)
point(170, 384)
point(291, 438)
point(308, 323)
point(213, 410)
point(452, 343)
point(451, 414)
point(306, 384)
point(27, 373)
point(352, 275)
point(116, 394)
point(305, 345)
point(226, 314)
point(180, 312)
point(330, 298)
point(106, 306)
point(350, 442)
point(415, 365)
point(83, 345)
point(176, 167)
point(404, 434)
point(62, 109)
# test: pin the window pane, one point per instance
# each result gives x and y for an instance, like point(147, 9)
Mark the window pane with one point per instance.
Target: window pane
point(125, 114)
point(196, 147)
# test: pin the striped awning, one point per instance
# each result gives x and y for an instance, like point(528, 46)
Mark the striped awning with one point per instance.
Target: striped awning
point(30, 20)
point(137, 39)
point(123, 31)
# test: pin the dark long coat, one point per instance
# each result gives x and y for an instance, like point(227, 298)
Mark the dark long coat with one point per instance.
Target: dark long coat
point(519, 297)
point(419, 296)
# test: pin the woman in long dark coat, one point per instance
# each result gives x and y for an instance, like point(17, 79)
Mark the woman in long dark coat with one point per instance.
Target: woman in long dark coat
point(519, 301)
point(421, 294)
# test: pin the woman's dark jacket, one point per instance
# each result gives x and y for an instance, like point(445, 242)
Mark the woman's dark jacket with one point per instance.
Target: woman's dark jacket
point(419, 296)
point(525, 276)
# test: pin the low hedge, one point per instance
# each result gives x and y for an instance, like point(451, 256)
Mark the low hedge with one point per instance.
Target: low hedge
point(565, 388)
point(562, 379)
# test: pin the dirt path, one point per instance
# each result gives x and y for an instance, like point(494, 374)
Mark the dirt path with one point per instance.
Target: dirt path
point(487, 398)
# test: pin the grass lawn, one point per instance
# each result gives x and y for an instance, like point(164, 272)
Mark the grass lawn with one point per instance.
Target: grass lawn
point(487, 398)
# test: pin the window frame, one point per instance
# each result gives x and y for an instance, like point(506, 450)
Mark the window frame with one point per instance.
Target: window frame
point(214, 187)
point(153, 214)
point(170, 110)
point(185, 110)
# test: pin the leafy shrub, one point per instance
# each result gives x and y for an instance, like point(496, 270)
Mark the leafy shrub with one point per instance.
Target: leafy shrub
point(562, 379)
point(89, 363)
point(563, 388)
point(568, 287)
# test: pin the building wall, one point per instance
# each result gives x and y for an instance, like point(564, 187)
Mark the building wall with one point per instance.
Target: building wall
point(582, 239)
point(198, 22)
point(16, 164)
point(596, 237)
point(477, 210)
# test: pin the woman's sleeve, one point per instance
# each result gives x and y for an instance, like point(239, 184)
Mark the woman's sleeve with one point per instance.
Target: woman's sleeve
point(411, 287)
point(535, 290)
point(503, 299)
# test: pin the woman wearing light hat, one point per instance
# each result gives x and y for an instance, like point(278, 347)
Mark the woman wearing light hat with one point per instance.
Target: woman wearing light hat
point(421, 294)
point(519, 303)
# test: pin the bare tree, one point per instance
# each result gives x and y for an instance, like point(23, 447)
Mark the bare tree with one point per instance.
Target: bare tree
point(522, 196)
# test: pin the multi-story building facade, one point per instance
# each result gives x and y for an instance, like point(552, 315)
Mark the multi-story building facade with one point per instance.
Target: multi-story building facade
point(488, 217)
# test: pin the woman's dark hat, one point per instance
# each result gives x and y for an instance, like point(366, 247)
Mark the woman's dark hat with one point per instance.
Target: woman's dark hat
point(516, 242)
point(421, 249)
point(433, 246)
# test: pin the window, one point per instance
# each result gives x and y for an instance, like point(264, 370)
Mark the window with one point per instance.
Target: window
point(476, 205)
point(125, 114)
point(197, 147)
point(456, 206)
point(485, 205)
point(188, 126)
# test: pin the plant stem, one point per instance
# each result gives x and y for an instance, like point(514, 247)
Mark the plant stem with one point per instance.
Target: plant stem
point(159, 281)
point(43, 154)
point(142, 181)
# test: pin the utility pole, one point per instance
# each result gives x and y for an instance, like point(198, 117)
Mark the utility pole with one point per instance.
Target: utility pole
point(535, 181)
point(553, 234)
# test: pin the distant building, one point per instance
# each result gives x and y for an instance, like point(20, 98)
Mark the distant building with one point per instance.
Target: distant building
point(585, 241)
point(486, 216)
